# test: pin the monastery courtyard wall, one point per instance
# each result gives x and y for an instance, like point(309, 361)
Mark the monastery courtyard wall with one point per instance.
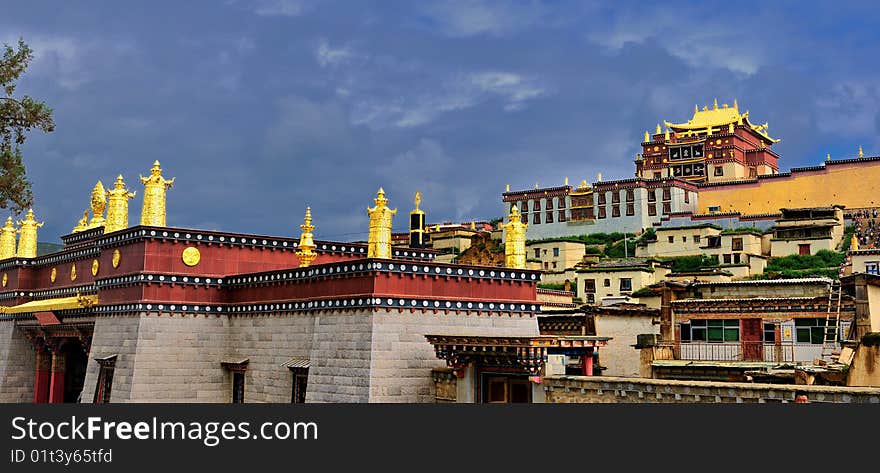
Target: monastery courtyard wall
point(359, 356)
point(603, 389)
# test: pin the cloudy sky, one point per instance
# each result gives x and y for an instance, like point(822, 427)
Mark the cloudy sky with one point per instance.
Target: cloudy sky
point(260, 108)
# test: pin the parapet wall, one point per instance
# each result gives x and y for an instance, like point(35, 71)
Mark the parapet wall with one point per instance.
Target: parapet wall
point(602, 389)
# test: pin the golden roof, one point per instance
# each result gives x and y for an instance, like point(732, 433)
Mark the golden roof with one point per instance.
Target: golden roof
point(719, 117)
point(60, 303)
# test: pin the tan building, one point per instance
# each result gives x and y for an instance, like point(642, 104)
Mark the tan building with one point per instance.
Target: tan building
point(678, 241)
point(556, 255)
point(619, 278)
point(806, 231)
point(865, 261)
point(623, 323)
point(741, 252)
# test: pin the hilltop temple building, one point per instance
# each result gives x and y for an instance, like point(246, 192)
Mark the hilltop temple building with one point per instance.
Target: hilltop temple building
point(717, 167)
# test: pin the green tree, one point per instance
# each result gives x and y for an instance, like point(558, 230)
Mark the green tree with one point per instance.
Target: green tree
point(18, 115)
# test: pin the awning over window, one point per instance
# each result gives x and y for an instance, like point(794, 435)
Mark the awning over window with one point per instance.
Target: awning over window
point(294, 363)
point(235, 364)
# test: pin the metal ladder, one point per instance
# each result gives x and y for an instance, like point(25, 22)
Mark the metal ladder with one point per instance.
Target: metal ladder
point(831, 333)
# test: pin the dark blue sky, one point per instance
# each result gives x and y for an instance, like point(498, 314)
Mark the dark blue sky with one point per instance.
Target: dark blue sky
point(260, 108)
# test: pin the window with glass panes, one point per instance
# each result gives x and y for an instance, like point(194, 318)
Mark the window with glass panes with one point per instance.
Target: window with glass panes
point(710, 330)
point(809, 330)
point(769, 333)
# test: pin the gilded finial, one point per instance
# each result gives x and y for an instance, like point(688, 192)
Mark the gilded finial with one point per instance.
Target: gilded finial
point(658, 130)
point(417, 200)
point(507, 188)
point(716, 104)
point(861, 154)
point(705, 108)
point(730, 128)
point(583, 184)
point(696, 109)
point(735, 106)
point(566, 180)
point(666, 135)
point(153, 211)
point(7, 239)
point(27, 240)
point(83, 223)
point(515, 240)
point(379, 240)
point(117, 209)
point(99, 203)
point(599, 177)
point(647, 136)
point(306, 248)
point(828, 157)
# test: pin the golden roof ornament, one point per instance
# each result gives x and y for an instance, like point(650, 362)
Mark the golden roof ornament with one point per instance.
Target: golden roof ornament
point(117, 209)
point(647, 137)
point(7, 240)
point(515, 240)
point(507, 188)
point(666, 135)
point(27, 240)
point(98, 203)
point(599, 177)
point(306, 249)
point(861, 154)
point(83, 223)
point(153, 212)
point(658, 130)
point(828, 157)
point(379, 240)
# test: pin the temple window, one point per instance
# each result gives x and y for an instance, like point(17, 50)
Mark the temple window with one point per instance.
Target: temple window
point(615, 211)
point(561, 202)
point(727, 259)
point(719, 171)
point(536, 205)
point(589, 285)
point(671, 239)
point(809, 330)
point(652, 195)
point(556, 252)
point(601, 197)
point(237, 387)
point(736, 258)
point(667, 194)
point(626, 284)
point(537, 252)
point(630, 209)
point(615, 197)
point(550, 204)
point(714, 330)
point(871, 267)
point(300, 382)
point(630, 195)
point(524, 206)
point(667, 207)
point(736, 244)
point(652, 209)
point(696, 238)
point(607, 282)
point(536, 218)
point(105, 379)
point(601, 212)
point(549, 217)
point(562, 216)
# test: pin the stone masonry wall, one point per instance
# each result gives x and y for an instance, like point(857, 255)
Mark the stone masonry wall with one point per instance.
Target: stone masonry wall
point(178, 358)
point(269, 341)
point(596, 389)
point(402, 359)
point(340, 357)
point(113, 335)
point(17, 361)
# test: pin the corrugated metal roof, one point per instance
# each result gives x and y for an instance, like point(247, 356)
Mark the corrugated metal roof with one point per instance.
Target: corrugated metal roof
point(766, 281)
point(297, 363)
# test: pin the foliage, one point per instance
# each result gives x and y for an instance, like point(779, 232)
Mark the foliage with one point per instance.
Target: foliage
point(553, 286)
point(822, 259)
point(752, 230)
point(647, 235)
point(617, 251)
point(592, 250)
point(691, 263)
point(644, 292)
point(18, 115)
point(496, 222)
point(847, 238)
point(594, 239)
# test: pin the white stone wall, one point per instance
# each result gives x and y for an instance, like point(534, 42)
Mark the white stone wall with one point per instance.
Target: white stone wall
point(619, 356)
point(113, 335)
point(17, 364)
point(402, 359)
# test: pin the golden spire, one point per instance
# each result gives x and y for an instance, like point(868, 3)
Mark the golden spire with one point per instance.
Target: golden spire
point(716, 105)
point(27, 240)
point(730, 128)
point(83, 223)
point(861, 154)
point(828, 157)
point(99, 203)
point(507, 188)
point(658, 130)
point(666, 135)
point(515, 240)
point(473, 225)
point(153, 212)
point(418, 201)
point(306, 251)
point(117, 211)
point(566, 180)
point(696, 109)
point(735, 106)
point(647, 136)
point(379, 241)
point(7, 240)
point(599, 177)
